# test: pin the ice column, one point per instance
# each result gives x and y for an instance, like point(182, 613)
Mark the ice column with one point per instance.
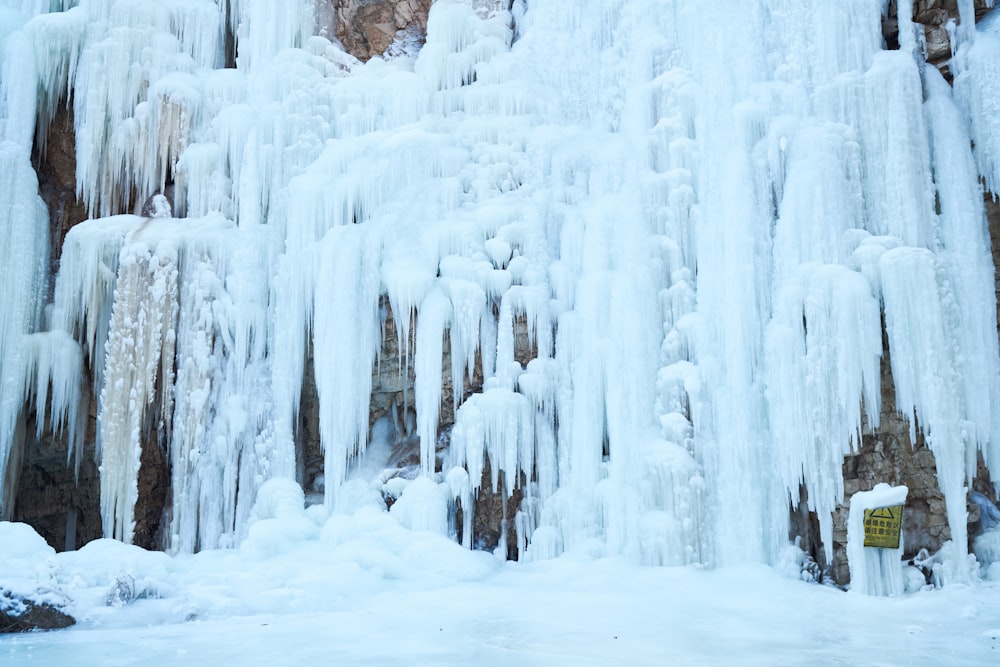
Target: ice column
point(138, 375)
point(345, 338)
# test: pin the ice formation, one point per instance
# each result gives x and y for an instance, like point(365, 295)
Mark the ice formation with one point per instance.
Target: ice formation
point(698, 212)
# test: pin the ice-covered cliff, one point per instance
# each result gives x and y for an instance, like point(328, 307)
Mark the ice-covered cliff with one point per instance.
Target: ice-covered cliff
point(635, 258)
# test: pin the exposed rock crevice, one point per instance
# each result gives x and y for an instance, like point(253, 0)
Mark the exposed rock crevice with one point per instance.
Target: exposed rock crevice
point(367, 28)
point(933, 16)
point(392, 398)
point(55, 165)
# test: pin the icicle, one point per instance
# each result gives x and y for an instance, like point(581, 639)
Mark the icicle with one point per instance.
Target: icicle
point(457, 480)
point(977, 91)
point(920, 326)
point(434, 316)
point(23, 269)
point(344, 343)
point(55, 361)
point(823, 352)
point(497, 423)
point(263, 29)
point(907, 34)
point(966, 252)
point(192, 421)
point(467, 301)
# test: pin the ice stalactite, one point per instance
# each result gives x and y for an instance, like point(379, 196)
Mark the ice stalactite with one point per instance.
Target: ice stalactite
point(23, 239)
point(976, 53)
point(435, 315)
point(176, 294)
point(345, 340)
point(965, 256)
point(262, 29)
point(824, 348)
point(23, 261)
point(734, 260)
point(821, 144)
point(54, 383)
point(23, 242)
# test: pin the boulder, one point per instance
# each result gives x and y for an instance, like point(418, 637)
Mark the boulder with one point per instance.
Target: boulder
point(20, 614)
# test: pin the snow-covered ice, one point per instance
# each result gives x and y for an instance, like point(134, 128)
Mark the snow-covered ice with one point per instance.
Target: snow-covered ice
point(361, 589)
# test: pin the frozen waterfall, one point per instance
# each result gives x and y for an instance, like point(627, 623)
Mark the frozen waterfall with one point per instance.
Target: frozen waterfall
point(694, 218)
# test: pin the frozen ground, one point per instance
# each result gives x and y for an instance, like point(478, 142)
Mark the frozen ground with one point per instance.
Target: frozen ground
point(360, 590)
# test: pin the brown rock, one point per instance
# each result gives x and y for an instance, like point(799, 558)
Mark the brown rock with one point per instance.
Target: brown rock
point(933, 15)
point(26, 614)
point(62, 507)
point(154, 495)
point(55, 163)
point(366, 28)
point(493, 515)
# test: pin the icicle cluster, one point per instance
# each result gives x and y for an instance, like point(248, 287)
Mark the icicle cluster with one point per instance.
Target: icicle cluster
point(664, 236)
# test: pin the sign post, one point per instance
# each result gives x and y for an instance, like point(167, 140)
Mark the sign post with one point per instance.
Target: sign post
point(875, 540)
point(883, 526)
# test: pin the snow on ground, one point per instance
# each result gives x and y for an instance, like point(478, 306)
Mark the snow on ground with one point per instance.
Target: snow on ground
point(361, 590)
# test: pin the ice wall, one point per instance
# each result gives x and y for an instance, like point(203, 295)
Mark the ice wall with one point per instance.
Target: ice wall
point(700, 212)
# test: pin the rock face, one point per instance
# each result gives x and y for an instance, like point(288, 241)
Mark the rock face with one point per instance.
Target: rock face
point(154, 489)
point(993, 218)
point(933, 16)
point(367, 28)
point(55, 163)
point(493, 519)
point(62, 506)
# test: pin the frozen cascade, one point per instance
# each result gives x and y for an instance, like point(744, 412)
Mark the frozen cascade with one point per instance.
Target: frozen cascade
point(346, 325)
point(663, 234)
point(138, 373)
point(23, 264)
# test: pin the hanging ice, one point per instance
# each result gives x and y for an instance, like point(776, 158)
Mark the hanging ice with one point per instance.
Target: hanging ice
point(654, 240)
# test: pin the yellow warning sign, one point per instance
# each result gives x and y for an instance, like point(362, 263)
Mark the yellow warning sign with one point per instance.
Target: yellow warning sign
point(882, 526)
